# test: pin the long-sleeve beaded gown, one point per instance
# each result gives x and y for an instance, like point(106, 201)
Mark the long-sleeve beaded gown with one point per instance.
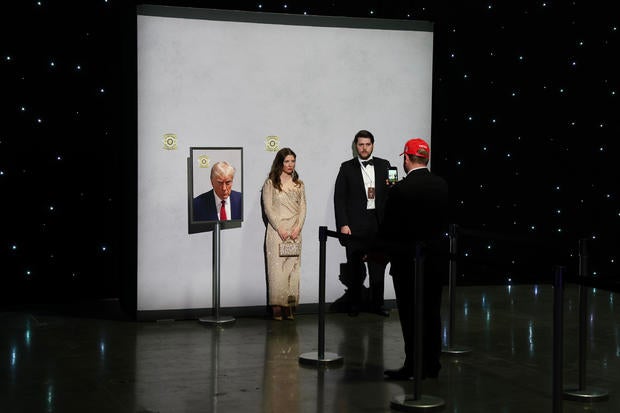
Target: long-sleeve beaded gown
point(285, 209)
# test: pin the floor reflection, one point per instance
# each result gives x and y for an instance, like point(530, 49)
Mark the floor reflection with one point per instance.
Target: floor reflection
point(67, 363)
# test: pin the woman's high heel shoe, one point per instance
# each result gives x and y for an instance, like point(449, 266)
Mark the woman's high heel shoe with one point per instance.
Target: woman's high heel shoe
point(289, 313)
point(277, 312)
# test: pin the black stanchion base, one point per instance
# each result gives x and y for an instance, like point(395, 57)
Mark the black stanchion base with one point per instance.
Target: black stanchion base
point(586, 396)
point(328, 360)
point(406, 403)
point(456, 350)
point(213, 320)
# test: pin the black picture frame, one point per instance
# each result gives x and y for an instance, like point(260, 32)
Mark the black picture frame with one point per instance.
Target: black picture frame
point(200, 190)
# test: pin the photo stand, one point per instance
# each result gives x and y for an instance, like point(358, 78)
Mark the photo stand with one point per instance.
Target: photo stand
point(216, 318)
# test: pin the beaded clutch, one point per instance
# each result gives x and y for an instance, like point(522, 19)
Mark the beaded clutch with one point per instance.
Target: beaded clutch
point(290, 248)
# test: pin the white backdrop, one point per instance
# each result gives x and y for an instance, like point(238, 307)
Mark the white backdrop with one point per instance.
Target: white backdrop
point(229, 83)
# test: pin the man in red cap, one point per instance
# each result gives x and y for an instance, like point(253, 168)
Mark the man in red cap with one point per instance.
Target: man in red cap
point(416, 210)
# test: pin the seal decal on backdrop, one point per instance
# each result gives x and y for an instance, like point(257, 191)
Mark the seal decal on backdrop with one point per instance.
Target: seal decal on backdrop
point(170, 141)
point(272, 143)
point(204, 161)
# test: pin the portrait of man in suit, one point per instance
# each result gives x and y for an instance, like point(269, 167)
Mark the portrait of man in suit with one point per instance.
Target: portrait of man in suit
point(221, 203)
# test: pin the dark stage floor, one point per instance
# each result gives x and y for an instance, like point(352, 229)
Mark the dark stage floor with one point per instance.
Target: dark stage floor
point(60, 363)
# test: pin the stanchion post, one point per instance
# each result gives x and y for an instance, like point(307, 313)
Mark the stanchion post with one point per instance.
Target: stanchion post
point(417, 401)
point(215, 290)
point(558, 343)
point(322, 265)
point(581, 394)
point(320, 357)
point(452, 275)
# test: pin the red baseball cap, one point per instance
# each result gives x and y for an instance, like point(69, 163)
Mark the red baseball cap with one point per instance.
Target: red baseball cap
point(417, 147)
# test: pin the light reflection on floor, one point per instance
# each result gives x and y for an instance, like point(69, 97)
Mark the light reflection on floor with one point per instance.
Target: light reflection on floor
point(55, 363)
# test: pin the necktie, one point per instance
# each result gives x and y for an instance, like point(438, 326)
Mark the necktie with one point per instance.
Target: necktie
point(223, 211)
point(366, 163)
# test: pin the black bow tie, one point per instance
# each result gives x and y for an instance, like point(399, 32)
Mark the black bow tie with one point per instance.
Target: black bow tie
point(366, 163)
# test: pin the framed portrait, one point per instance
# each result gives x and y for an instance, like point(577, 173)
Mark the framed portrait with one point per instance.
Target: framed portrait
point(215, 188)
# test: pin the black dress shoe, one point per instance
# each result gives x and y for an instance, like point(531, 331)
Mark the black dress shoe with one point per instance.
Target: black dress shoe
point(381, 311)
point(354, 311)
point(430, 374)
point(402, 373)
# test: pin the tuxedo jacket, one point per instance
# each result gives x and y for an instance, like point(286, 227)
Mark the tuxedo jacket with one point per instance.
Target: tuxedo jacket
point(417, 209)
point(205, 210)
point(350, 194)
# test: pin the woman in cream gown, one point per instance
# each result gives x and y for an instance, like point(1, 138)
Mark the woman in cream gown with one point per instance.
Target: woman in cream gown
point(284, 202)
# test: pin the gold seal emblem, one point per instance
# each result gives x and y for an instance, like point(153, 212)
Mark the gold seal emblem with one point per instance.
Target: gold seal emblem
point(204, 161)
point(272, 143)
point(170, 141)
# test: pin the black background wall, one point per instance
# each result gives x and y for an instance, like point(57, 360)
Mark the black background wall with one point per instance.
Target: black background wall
point(525, 130)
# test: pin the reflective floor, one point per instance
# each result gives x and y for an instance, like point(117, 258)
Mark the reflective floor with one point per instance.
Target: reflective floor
point(61, 363)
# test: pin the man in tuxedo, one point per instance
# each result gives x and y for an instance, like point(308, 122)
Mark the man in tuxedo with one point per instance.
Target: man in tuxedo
point(359, 199)
point(417, 211)
point(220, 203)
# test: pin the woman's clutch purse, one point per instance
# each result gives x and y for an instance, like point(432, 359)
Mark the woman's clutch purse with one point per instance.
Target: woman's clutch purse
point(290, 248)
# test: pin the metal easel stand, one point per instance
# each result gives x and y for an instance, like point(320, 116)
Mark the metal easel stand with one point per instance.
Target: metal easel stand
point(451, 348)
point(320, 357)
point(580, 393)
point(216, 318)
point(417, 401)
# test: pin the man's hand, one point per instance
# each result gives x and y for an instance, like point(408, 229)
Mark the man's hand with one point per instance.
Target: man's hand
point(345, 230)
